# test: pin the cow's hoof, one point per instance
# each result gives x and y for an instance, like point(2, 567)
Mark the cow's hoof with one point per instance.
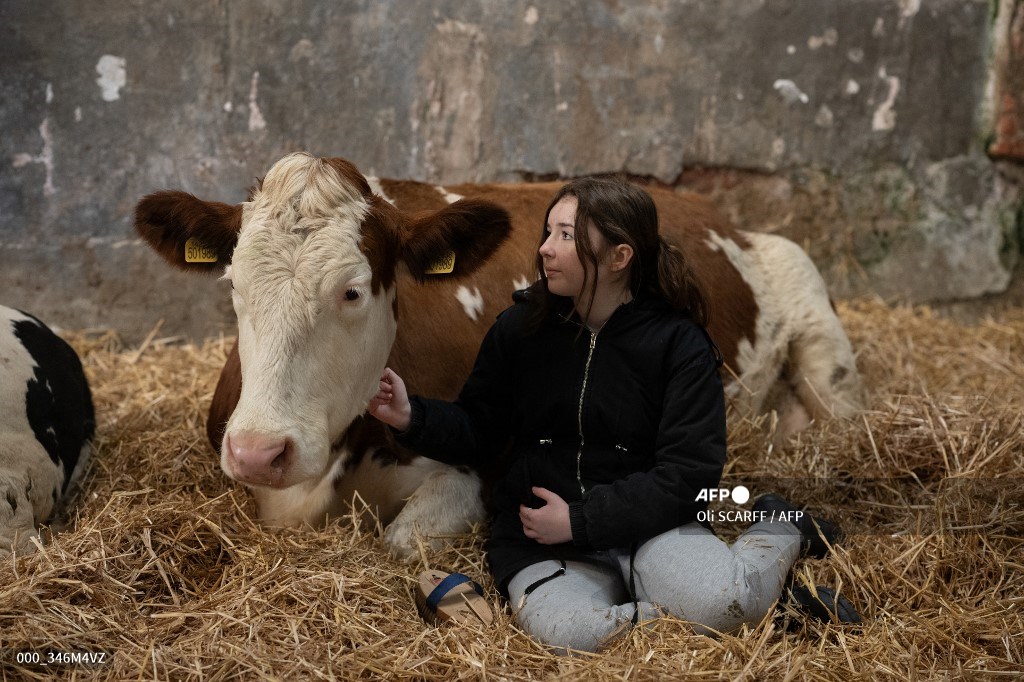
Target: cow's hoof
point(400, 539)
point(17, 521)
point(19, 541)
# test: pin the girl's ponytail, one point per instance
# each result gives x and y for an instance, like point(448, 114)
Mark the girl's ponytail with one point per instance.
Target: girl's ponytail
point(674, 281)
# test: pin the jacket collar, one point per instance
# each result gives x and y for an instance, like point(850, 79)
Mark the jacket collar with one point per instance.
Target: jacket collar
point(565, 312)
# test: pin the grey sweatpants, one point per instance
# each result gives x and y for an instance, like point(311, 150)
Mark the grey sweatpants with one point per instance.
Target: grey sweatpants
point(687, 572)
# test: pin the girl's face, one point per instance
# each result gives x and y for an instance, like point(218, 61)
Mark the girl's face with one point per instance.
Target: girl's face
point(565, 272)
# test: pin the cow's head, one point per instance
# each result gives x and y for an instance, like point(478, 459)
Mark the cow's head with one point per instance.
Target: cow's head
point(312, 257)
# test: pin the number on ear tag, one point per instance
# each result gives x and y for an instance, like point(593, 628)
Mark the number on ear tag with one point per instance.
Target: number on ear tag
point(197, 252)
point(442, 266)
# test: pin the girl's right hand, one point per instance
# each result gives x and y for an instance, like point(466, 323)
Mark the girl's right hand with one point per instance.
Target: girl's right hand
point(391, 404)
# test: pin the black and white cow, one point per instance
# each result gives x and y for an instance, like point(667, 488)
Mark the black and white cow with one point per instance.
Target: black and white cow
point(46, 425)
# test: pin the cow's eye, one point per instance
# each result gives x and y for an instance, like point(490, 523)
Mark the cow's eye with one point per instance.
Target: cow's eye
point(350, 295)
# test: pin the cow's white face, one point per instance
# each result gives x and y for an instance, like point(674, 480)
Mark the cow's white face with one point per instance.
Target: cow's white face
point(313, 254)
point(313, 335)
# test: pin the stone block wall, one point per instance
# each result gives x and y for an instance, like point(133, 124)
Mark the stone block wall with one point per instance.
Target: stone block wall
point(882, 135)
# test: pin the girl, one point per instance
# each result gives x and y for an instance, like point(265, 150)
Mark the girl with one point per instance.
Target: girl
point(602, 386)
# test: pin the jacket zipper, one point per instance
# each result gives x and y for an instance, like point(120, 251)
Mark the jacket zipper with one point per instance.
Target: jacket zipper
point(579, 414)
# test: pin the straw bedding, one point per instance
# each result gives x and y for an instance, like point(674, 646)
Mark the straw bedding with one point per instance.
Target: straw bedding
point(162, 568)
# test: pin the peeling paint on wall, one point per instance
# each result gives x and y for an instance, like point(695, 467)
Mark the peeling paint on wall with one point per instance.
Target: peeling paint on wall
point(452, 99)
point(790, 92)
point(113, 73)
point(830, 37)
point(778, 151)
point(302, 50)
point(824, 118)
point(705, 131)
point(885, 116)
point(908, 8)
point(256, 120)
point(44, 157)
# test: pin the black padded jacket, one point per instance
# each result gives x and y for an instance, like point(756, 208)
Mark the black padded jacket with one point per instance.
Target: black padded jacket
point(626, 425)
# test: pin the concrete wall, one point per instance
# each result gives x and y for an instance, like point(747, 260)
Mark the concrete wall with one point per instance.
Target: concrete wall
point(857, 127)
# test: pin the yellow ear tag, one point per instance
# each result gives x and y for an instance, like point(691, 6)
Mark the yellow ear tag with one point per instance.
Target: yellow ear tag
point(443, 265)
point(197, 252)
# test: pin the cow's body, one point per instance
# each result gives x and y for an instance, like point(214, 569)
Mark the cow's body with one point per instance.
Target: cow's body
point(770, 316)
point(46, 425)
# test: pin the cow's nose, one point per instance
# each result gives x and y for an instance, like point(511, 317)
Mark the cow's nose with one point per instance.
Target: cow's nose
point(258, 459)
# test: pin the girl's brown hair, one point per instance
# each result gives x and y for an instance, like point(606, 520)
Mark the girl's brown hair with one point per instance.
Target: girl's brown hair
point(625, 214)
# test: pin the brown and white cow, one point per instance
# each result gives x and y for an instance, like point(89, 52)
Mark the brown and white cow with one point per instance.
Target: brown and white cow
point(330, 283)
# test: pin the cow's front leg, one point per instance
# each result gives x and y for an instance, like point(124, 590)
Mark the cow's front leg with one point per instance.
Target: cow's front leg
point(448, 502)
point(17, 520)
point(29, 488)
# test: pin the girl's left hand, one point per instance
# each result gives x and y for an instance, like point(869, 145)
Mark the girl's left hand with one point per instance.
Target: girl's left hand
point(548, 525)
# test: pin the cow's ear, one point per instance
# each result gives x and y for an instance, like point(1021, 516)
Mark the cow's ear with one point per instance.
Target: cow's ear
point(454, 241)
point(190, 234)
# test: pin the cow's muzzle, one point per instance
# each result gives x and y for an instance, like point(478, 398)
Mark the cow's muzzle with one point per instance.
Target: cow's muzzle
point(258, 459)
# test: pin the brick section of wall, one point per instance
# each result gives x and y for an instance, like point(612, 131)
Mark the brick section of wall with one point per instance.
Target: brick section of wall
point(1009, 90)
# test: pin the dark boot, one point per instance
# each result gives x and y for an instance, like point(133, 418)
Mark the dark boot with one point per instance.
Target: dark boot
point(825, 605)
point(817, 534)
